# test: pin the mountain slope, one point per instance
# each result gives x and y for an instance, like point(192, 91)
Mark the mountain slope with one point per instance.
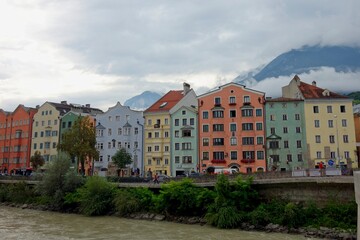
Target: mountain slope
point(143, 101)
point(305, 59)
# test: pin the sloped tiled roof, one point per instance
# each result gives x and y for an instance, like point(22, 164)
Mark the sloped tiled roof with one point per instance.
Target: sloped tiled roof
point(167, 102)
point(313, 92)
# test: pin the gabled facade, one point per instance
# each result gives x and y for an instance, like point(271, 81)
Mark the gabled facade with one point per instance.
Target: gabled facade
point(157, 128)
point(285, 134)
point(184, 141)
point(15, 139)
point(231, 129)
point(119, 127)
point(329, 121)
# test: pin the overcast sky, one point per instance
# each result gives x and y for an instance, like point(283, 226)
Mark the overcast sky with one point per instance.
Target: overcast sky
point(104, 51)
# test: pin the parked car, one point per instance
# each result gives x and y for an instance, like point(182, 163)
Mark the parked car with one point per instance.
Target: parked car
point(163, 178)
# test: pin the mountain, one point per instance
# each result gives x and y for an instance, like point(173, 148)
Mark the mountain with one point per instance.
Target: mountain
point(305, 59)
point(142, 101)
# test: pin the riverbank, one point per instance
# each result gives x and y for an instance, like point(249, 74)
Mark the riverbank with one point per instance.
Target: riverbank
point(322, 232)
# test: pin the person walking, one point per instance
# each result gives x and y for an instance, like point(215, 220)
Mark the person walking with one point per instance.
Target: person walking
point(156, 178)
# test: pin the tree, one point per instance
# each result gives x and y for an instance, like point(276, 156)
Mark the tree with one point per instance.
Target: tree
point(121, 158)
point(37, 160)
point(79, 141)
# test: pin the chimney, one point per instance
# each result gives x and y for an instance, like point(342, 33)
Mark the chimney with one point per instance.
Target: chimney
point(186, 88)
point(313, 83)
point(64, 102)
point(87, 105)
point(37, 106)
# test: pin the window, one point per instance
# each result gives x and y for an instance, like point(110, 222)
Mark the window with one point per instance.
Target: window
point(205, 142)
point(346, 154)
point(109, 145)
point(247, 126)
point(298, 143)
point(246, 99)
point(285, 130)
point(49, 122)
point(186, 133)
point(273, 144)
point(205, 128)
point(233, 155)
point(218, 127)
point(166, 121)
point(248, 155)
point(284, 117)
point(247, 112)
point(218, 155)
point(166, 134)
point(259, 140)
point(329, 109)
point(158, 161)
point(343, 122)
point(232, 113)
point(247, 141)
point(186, 146)
point(289, 157)
point(187, 159)
point(36, 134)
point(41, 134)
point(260, 155)
point(316, 109)
point(233, 127)
point(332, 155)
point(217, 101)
point(149, 161)
point(183, 112)
point(184, 122)
point(136, 145)
point(317, 123)
point(272, 130)
point(54, 133)
point(298, 129)
point(156, 148)
point(176, 134)
point(297, 116)
point(205, 155)
point(149, 122)
point(119, 145)
point(272, 117)
point(332, 139)
point(177, 159)
point(41, 145)
point(342, 108)
point(117, 118)
point(318, 139)
point(330, 123)
point(109, 132)
point(177, 146)
point(259, 126)
point(345, 138)
point(149, 148)
point(35, 146)
point(318, 154)
point(218, 141)
point(232, 100)
point(286, 144)
point(258, 112)
point(166, 161)
point(136, 131)
point(177, 122)
point(192, 121)
point(299, 157)
point(47, 133)
point(127, 131)
point(157, 135)
point(149, 135)
point(218, 114)
point(205, 115)
point(233, 141)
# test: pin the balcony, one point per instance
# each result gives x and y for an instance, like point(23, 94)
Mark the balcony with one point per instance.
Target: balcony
point(232, 104)
point(156, 125)
point(247, 161)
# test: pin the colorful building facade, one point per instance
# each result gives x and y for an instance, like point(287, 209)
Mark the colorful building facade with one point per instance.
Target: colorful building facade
point(231, 129)
point(119, 127)
point(330, 130)
point(15, 139)
point(286, 146)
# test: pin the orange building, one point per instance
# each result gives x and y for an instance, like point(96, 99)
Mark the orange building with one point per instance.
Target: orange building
point(15, 139)
point(231, 129)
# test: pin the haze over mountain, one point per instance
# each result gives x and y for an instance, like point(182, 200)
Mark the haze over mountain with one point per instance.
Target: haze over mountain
point(143, 100)
point(326, 64)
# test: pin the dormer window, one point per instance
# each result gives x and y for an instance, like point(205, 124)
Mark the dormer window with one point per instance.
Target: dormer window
point(163, 104)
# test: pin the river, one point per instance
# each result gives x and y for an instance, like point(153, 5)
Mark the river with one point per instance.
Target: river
point(16, 223)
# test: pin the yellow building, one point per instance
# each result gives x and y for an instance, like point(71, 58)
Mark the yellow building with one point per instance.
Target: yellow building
point(329, 121)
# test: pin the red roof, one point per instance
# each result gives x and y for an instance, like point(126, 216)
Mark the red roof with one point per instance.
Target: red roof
point(167, 102)
point(312, 91)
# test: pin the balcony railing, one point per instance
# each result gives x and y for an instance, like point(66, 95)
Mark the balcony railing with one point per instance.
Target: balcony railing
point(218, 161)
point(156, 125)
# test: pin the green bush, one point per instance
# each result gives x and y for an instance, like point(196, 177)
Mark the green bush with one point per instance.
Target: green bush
point(4, 193)
point(96, 196)
point(260, 216)
point(133, 200)
point(225, 217)
point(21, 193)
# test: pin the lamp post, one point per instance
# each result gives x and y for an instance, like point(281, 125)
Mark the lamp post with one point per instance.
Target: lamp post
point(337, 139)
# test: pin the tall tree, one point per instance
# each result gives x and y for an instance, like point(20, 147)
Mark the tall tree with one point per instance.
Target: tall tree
point(79, 141)
point(37, 160)
point(121, 158)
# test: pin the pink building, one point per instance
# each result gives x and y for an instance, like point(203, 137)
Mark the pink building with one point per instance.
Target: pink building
point(231, 129)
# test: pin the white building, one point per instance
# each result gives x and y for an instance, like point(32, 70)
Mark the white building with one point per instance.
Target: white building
point(119, 127)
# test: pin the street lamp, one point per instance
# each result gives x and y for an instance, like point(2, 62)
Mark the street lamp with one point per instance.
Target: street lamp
point(337, 139)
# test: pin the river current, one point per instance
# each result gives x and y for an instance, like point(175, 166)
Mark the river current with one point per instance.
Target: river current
point(30, 224)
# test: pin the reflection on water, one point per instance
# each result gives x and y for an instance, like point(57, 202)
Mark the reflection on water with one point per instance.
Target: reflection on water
point(31, 224)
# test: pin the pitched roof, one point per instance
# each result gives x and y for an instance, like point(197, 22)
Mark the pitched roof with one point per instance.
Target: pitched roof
point(167, 102)
point(312, 91)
